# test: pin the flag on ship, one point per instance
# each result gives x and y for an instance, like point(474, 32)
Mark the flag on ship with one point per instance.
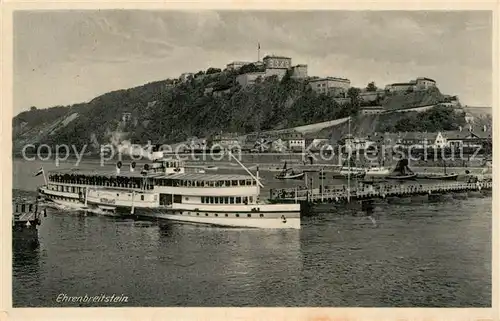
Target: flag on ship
point(40, 171)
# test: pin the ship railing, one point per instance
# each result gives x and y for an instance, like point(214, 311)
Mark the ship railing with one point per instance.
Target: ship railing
point(382, 190)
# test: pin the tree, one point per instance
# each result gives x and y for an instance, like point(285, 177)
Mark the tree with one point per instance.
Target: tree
point(213, 70)
point(248, 68)
point(371, 87)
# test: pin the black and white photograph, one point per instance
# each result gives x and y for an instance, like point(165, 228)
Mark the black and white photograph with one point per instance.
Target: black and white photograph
point(252, 158)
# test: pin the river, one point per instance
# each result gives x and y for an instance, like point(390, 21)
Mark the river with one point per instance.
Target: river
point(416, 255)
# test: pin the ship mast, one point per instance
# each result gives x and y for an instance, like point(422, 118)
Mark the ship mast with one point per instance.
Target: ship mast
point(247, 170)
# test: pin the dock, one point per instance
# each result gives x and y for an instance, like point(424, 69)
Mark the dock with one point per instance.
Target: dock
point(342, 194)
point(26, 217)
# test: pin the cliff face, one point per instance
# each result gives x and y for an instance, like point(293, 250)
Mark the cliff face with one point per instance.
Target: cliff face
point(427, 97)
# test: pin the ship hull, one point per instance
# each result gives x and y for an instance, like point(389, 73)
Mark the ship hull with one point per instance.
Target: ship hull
point(280, 222)
point(269, 216)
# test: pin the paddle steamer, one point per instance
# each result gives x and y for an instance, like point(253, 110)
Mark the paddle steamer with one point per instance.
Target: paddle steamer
point(164, 190)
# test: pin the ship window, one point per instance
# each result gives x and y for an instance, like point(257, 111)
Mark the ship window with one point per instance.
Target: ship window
point(249, 182)
point(251, 199)
point(206, 214)
point(228, 183)
point(186, 198)
point(237, 215)
point(226, 200)
point(245, 200)
point(226, 215)
point(31, 207)
point(249, 215)
point(238, 200)
point(142, 197)
point(231, 200)
point(242, 182)
point(23, 208)
point(216, 200)
point(261, 215)
point(234, 183)
point(216, 214)
point(117, 194)
point(211, 200)
point(203, 199)
point(197, 214)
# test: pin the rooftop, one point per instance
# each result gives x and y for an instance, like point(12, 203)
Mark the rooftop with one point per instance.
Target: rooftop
point(330, 78)
point(425, 78)
point(273, 56)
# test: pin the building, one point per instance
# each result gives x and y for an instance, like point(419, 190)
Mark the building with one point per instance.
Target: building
point(424, 83)
point(371, 110)
point(126, 117)
point(294, 140)
point(186, 76)
point(424, 140)
point(371, 97)
point(469, 138)
point(236, 65)
point(401, 87)
point(208, 90)
point(277, 66)
point(250, 78)
point(421, 83)
point(352, 143)
point(299, 72)
point(330, 85)
point(227, 140)
point(277, 62)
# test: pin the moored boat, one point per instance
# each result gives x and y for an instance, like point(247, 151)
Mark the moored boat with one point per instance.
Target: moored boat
point(445, 177)
point(165, 191)
point(402, 171)
point(289, 173)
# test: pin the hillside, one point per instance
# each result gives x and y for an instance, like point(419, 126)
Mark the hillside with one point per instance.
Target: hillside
point(430, 96)
point(162, 112)
point(436, 119)
point(165, 114)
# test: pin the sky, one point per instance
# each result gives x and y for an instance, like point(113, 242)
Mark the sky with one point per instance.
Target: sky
point(67, 57)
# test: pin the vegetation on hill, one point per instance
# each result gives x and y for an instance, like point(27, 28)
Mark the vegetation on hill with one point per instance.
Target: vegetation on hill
point(436, 119)
point(410, 99)
point(164, 115)
point(208, 103)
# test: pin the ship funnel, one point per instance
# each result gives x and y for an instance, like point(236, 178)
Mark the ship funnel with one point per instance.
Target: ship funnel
point(118, 166)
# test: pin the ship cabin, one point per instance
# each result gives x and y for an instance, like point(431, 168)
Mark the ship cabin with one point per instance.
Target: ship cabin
point(204, 180)
point(72, 181)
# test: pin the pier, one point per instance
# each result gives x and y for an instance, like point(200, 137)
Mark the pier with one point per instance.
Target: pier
point(343, 194)
point(25, 221)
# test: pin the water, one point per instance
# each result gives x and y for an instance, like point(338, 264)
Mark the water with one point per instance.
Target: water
point(426, 255)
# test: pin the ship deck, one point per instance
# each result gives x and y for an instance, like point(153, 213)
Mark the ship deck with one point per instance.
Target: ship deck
point(137, 174)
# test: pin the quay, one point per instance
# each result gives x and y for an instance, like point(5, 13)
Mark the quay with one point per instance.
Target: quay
point(26, 217)
point(367, 192)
